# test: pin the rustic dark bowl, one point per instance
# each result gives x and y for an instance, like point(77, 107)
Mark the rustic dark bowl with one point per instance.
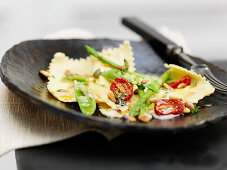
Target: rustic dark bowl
point(20, 72)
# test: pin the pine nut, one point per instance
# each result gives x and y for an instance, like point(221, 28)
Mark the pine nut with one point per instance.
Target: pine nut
point(144, 81)
point(182, 85)
point(145, 117)
point(45, 73)
point(111, 96)
point(131, 105)
point(167, 86)
point(153, 100)
point(68, 73)
point(129, 118)
point(123, 68)
point(186, 110)
point(190, 106)
point(119, 67)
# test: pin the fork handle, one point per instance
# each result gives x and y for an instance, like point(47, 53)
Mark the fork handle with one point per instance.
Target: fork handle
point(154, 37)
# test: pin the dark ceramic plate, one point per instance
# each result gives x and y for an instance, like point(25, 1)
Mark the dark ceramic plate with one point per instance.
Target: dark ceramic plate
point(20, 72)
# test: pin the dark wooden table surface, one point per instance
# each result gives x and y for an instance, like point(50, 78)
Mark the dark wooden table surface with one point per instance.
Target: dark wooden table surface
point(203, 149)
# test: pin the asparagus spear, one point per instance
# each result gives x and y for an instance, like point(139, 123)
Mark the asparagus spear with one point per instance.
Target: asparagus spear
point(85, 99)
point(164, 77)
point(134, 110)
point(79, 78)
point(142, 109)
point(95, 53)
point(112, 74)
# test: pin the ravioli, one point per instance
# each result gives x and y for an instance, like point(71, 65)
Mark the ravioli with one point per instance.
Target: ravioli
point(57, 86)
point(63, 90)
point(190, 93)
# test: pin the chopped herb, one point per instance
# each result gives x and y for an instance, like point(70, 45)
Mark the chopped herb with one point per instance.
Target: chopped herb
point(120, 99)
point(164, 96)
point(126, 65)
point(53, 76)
point(196, 109)
point(94, 80)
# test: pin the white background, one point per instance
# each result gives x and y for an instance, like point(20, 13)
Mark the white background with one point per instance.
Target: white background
point(203, 24)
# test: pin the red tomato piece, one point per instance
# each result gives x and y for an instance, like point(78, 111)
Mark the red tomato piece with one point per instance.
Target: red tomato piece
point(185, 79)
point(122, 86)
point(168, 106)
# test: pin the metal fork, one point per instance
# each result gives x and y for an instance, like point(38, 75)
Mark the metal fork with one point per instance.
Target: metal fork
point(171, 49)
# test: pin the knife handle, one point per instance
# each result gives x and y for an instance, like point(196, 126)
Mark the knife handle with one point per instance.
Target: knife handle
point(154, 37)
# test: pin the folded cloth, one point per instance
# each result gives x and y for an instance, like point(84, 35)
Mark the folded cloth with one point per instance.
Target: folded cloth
point(24, 125)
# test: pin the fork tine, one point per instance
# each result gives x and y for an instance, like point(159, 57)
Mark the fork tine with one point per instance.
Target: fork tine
point(216, 80)
point(215, 83)
point(212, 75)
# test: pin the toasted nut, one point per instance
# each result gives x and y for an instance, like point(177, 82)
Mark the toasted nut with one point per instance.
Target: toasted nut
point(62, 90)
point(45, 73)
point(174, 97)
point(166, 86)
point(145, 117)
point(111, 96)
point(68, 73)
point(131, 105)
point(129, 118)
point(186, 110)
point(87, 75)
point(123, 67)
point(119, 67)
point(136, 91)
point(182, 85)
point(153, 100)
point(144, 81)
point(97, 73)
point(190, 106)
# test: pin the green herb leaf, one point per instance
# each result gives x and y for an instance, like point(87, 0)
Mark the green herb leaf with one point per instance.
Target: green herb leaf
point(196, 109)
point(126, 64)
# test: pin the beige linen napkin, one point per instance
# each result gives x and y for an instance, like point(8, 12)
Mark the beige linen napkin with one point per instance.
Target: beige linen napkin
point(24, 125)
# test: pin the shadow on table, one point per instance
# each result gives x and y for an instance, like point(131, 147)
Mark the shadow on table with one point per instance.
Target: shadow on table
point(201, 149)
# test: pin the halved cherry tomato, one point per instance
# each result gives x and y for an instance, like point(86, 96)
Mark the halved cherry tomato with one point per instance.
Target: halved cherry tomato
point(121, 85)
point(168, 106)
point(185, 79)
